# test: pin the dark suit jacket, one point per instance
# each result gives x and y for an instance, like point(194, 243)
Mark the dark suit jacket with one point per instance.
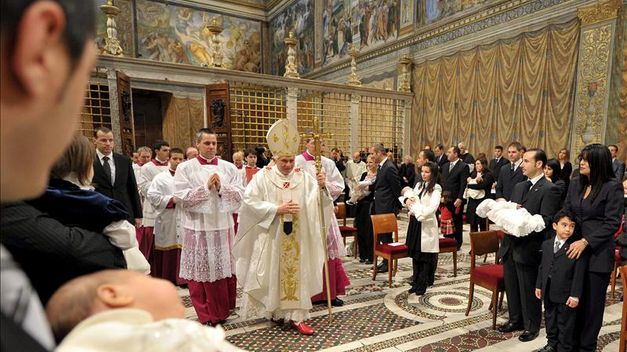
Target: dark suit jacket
point(597, 221)
point(543, 198)
point(507, 180)
point(567, 275)
point(387, 189)
point(409, 172)
point(455, 181)
point(495, 167)
point(441, 160)
point(467, 158)
point(125, 188)
point(618, 166)
point(51, 253)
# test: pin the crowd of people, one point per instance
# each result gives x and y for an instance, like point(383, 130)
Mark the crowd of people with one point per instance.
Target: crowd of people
point(82, 225)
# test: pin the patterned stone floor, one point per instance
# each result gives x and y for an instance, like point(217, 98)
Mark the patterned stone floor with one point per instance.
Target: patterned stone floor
point(378, 318)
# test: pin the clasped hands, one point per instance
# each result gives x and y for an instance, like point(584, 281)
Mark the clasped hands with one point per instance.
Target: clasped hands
point(214, 182)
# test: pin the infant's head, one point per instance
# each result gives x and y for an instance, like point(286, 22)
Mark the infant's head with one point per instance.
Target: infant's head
point(90, 294)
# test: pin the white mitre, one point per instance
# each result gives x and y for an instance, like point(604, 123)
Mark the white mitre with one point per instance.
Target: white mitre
point(283, 138)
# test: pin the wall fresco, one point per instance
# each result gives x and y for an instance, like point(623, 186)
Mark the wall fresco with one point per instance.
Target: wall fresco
point(298, 18)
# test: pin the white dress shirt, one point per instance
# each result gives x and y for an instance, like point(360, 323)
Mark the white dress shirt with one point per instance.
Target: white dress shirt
point(111, 163)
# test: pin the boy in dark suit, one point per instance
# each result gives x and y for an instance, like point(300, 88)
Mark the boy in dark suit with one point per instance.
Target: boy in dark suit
point(560, 284)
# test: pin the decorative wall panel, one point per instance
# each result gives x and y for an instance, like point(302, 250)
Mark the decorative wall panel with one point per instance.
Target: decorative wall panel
point(298, 18)
point(178, 34)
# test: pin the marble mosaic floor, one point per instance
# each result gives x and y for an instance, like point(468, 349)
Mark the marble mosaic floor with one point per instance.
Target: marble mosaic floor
point(378, 318)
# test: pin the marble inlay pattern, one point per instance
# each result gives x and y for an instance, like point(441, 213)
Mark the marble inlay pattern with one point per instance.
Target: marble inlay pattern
point(378, 318)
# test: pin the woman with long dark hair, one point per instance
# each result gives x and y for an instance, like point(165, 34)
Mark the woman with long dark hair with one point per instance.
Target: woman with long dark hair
point(423, 231)
point(596, 199)
point(553, 173)
point(479, 188)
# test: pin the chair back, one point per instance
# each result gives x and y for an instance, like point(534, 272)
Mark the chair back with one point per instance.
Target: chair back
point(482, 243)
point(384, 223)
point(623, 325)
point(340, 212)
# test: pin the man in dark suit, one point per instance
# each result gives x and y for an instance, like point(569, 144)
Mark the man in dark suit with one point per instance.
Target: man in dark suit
point(455, 175)
point(114, 176)
point(440, 155)
point(497, 163)
point(386, 189)
point(560, 284)
point(521, 255)
point(47, 54)
point(510, 173)
point(618, 166)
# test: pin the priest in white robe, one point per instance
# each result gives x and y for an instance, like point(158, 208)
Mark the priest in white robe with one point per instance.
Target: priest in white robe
point(166, 256)
point(334, 185)
point(145, 234)
point(279, 246)
point(208, 190)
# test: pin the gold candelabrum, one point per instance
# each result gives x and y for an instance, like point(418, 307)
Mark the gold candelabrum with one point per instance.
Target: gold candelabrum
point(291, 70)
point(112, 44)
point(215, 27)
point(405, 63)
point(353, 79)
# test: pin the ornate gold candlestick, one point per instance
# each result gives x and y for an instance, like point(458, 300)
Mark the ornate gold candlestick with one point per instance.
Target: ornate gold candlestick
point(353, 79)
point(215, 27)
point(291, 70)
point(112, 44)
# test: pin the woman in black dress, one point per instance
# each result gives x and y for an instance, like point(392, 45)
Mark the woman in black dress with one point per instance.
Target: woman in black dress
point(483, 181)
point(362, 212)
point(596, 199)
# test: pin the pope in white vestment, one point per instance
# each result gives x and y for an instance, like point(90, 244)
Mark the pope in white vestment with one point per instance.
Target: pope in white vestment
point(208, 190)
point(334, 185)
point(279, 246)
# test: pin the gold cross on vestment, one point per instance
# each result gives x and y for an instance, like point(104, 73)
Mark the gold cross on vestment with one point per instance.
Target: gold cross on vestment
point(317, 136)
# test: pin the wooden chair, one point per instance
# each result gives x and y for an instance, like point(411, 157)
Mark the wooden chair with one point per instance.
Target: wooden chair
point(623, 324)
point(346, 231)
point(489, 276)
point(381, 224)
point(615, 271)
point(449, 245)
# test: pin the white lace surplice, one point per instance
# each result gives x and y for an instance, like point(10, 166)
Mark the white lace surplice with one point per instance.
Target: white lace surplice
point(207, 220)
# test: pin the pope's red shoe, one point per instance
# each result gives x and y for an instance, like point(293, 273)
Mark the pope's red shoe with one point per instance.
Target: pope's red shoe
point(302, 328)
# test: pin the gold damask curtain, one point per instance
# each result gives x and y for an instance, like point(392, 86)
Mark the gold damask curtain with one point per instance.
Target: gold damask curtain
point(516, 89)
point(183, 117)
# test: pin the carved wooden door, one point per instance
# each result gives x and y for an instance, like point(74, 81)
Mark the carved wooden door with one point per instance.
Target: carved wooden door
point(127, 135)
point(219, 117)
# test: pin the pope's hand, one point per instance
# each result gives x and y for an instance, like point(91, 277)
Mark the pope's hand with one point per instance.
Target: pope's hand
point(321, 177)
point(288, 208)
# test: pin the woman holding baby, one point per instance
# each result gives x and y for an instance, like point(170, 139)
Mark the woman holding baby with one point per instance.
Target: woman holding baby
point(422, 234)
